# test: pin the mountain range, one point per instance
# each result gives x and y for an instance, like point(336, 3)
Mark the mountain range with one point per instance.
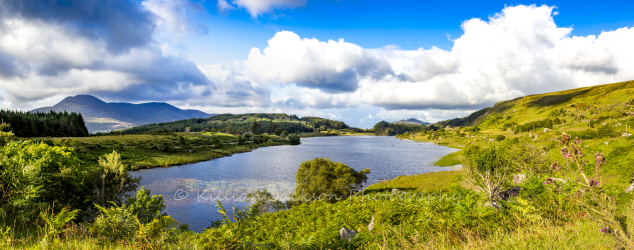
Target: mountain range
point(411, 121)
point(102, 116)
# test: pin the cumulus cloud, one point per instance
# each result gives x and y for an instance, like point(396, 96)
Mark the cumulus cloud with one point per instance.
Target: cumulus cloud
point(516, 52)
point(233, 88)
point(258, 7)
point(49, 48)
point(333, 66)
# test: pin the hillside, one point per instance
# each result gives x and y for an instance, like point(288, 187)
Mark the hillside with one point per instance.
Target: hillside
point(240, 123)
point(411, 121)
point(575, 109)
point(102, 116)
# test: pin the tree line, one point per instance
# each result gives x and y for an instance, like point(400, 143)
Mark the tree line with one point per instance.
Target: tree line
point(38, 124)
point(241, 123)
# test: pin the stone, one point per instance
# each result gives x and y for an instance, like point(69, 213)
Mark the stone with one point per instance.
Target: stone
point(519, 179)
point(396, 191)
point(347, 234)
point(492, 204)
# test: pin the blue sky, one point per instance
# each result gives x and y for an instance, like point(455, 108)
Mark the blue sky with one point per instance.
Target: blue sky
point(374, 24)
point(352, 60)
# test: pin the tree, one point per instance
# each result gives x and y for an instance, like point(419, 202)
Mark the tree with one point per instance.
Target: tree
point(230, 129)
point(111, 181)
point(284, 133)
point(255, 128)
point(278, 131)
point(294, 139)
point(326, 180)
point(271, 129)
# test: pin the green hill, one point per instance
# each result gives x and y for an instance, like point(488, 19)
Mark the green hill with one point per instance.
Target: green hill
point(240, 123)
point(574, 109)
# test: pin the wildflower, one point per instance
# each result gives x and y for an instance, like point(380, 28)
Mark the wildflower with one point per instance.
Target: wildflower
point(555, 165)
point(549, 181)
point(593, 183)
point(605, 230)
point(565, 138)
point(564, 151)
point(599, 157)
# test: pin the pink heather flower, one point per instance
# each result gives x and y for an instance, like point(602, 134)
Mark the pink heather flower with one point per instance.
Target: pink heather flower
point(549, 181)
point(593, 182)
point(599, 157)
point(604, 230)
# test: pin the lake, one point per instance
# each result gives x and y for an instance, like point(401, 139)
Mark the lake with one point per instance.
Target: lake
point(190, 191)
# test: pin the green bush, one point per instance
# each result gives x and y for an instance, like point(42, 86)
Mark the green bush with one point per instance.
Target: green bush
point(486, 168)
point(323, 179)
point(500, 138)
point(146, 207)
point(607, 131)
point(294, 139)
point(35, 175)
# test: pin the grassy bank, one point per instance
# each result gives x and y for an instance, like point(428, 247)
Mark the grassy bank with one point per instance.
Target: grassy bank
point(151, 151)
point(428, 182)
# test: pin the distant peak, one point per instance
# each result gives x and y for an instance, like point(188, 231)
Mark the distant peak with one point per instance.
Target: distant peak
point(82, 99)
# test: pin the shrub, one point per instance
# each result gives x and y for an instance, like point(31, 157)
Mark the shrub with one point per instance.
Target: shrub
point(294, 139)
point(114, 223)
point(486, 169)
point(34, 175)
point(606, 131)
point(324, 179)
point(146, 207)
point(500, 138)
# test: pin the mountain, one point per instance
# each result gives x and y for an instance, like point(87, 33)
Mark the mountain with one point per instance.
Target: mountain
point(574, 108)
point(102, 116)
point(411, 121)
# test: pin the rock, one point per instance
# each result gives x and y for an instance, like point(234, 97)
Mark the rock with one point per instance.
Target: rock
point(347, 234)
point(492, 204)
point(630, 188)
point(518, 179)
point(371, 225)
point(396, 191)
point(514, 191)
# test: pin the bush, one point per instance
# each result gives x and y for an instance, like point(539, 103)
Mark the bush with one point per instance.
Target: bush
point(486, 168)
point(35, 175)
point(324, 179)
point(294, 139)
point(500, 138)
point(607, 131)
point(146, 207)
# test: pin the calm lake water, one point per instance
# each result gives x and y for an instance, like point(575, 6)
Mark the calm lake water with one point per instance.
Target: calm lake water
point(190, 191)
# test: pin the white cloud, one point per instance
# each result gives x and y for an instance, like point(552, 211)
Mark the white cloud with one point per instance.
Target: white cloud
point(50, 59)
point(333, 66)
point(258, 7)
point(517, 52)
point(178, 17)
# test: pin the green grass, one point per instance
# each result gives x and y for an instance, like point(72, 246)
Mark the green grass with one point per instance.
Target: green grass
point(452, 159)
point(151, 151)
point(429, 182)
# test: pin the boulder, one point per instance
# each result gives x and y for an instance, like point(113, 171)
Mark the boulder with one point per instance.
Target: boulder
point(519, 179)
point(347, 234)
